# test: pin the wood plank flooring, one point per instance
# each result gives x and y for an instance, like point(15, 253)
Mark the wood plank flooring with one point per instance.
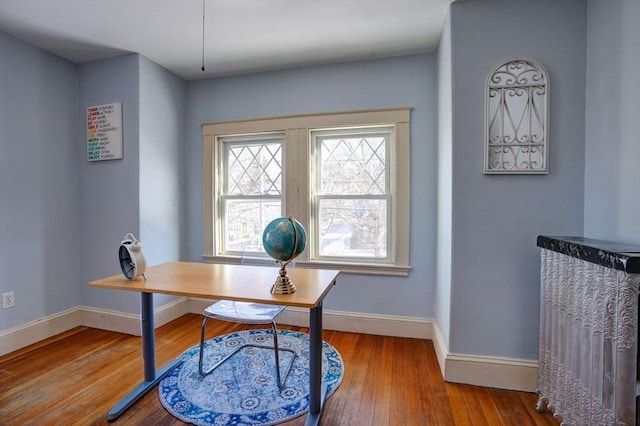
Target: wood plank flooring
point(76, 377)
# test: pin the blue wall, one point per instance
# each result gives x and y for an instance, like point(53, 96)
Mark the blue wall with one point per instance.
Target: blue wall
point(496, 218)
point(39, 202)
point(394, 82)
point(142, 192)
point(162, 130)
point(61, 218)
point(109, 190)
point(612, 193)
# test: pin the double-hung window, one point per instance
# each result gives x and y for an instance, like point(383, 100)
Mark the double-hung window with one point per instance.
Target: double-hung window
point(250, 195)
point(350, 194)
point(344, 176)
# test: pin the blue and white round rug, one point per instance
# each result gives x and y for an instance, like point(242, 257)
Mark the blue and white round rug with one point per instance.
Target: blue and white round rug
point(244, 390)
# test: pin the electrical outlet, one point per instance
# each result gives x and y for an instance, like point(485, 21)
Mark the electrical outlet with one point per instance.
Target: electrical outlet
point(8, 300)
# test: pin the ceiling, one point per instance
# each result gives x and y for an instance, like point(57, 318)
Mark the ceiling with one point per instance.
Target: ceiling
point(240, 36)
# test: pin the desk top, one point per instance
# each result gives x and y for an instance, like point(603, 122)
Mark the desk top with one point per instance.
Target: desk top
point(232, 282)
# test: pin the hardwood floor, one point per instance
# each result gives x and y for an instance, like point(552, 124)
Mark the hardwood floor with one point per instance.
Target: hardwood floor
point(76, 377)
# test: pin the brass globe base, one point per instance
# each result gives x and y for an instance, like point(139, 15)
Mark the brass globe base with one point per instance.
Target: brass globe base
point(283, 284)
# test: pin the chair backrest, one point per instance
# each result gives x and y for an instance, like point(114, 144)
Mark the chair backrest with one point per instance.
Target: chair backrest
point(254, 254)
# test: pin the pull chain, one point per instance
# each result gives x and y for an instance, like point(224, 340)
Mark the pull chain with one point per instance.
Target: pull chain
point(203, 1)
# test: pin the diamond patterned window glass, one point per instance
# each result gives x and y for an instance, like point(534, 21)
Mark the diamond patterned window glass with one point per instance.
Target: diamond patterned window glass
point(354, 164)
point(251, 189)
point(254, 169)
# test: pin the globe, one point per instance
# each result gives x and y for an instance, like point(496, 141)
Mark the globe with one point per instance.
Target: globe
point(284, 239)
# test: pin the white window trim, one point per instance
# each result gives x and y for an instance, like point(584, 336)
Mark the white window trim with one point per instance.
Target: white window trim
point(297, 129)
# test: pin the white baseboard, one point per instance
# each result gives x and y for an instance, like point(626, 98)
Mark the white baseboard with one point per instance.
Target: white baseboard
point(383, 325)
point(504, 373)
point(491, 372)
point(440, 347)
point(35, 331)
point(171, 311)
point(104, 319)
point(130, 323)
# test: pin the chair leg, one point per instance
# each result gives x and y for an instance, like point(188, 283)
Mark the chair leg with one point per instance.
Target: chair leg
point(277, 353)
point(201, 369)
point(203, 332)
point(275, 347)
point(280, 379)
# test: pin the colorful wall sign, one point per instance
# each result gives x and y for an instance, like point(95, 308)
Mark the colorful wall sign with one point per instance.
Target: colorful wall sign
point(104, 132)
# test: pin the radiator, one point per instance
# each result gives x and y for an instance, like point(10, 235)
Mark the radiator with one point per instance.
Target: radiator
point(588, 350)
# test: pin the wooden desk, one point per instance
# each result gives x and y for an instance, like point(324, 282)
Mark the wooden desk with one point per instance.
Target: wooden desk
point(231, 282)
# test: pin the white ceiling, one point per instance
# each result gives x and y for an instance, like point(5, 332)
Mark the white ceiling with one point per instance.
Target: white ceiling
point(241, 36)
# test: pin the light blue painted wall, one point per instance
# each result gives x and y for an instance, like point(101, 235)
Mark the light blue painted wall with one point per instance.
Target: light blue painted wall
point(403, 81)
point(442, 299)
point(39, 203)
point(495, 262)
point(612, 192)
point(109, 190)
point(162, 132)
point(491, 305)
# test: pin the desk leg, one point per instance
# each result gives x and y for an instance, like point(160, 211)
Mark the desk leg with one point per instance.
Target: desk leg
point(149, 359)
point(317, 389)
point(148, 336)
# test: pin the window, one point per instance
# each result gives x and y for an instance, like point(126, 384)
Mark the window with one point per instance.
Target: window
point(251, 189)
point(344, 176)
point(351, 195)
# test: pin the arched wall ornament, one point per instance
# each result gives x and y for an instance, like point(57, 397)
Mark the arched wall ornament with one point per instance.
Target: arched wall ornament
point(517, 119)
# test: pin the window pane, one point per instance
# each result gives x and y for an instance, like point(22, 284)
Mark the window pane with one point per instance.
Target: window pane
point(245, 221)
point(254, 169)
point(353, 164)
point(353, 228)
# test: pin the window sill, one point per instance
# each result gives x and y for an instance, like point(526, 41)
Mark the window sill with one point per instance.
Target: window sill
point(346, 268)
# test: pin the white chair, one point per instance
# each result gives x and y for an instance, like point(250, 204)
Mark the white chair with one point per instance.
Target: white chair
point(246, 313)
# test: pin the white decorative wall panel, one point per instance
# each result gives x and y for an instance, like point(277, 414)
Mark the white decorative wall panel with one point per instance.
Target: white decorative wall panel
point(517, 118)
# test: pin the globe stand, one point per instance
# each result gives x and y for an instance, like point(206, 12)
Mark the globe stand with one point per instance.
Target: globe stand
point(284, 239)
point(283, 284)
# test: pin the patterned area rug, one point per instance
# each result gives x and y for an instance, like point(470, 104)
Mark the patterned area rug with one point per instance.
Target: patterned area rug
point(243, 390)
